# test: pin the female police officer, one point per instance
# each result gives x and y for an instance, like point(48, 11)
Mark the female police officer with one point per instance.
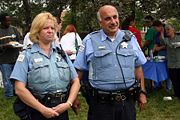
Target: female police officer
point(42, 74)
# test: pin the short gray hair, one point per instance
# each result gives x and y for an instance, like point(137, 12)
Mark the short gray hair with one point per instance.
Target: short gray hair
point(171, 26)
point(98, 16)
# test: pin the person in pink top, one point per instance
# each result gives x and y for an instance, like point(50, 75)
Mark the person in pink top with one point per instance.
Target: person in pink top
point(129, 24)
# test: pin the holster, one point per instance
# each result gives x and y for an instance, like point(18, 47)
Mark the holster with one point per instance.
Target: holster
point(21, 109)
point(86, 90)
point(135, 89)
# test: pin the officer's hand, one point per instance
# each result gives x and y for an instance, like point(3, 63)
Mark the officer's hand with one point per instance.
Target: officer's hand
point(61, 107)
point(142, 101)
point(49, 113)
point(76, 105)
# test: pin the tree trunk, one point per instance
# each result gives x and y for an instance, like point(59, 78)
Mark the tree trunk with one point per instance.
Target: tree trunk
point(28, 15)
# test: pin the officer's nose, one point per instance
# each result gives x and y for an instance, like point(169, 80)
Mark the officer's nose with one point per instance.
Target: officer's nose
point(50, 30)
point(113, 20)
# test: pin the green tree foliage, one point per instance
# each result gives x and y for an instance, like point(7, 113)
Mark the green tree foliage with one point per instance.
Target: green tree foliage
point(175, 22)
point(168, 9)
point(23, 11)
point(86, 10)
point(164, 10)
point(82, 13)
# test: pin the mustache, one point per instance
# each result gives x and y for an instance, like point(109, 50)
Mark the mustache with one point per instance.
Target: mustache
point(113, 25)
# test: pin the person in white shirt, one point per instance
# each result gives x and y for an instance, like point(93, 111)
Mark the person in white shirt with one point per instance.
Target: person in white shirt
point(27, 42)
point(68, 41)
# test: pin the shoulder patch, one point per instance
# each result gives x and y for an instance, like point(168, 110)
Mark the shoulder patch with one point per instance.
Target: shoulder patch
point(21, 58)
point(81, 48)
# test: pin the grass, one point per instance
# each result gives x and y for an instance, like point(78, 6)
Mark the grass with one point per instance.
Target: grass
point(156, 108)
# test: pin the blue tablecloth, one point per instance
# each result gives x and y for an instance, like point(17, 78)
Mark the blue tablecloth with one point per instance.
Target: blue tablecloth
point(156, 71)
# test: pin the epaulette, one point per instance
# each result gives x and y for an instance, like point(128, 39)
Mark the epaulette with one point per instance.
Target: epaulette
point(94, 32)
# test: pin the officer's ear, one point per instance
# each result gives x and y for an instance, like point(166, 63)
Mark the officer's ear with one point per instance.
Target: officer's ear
point(100, 23)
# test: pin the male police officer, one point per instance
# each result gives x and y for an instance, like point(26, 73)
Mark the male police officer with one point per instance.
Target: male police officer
point(114, 64)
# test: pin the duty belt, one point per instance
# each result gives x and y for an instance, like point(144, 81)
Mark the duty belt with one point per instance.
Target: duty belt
point(114, 95)
point(102, 96)
point(51, 97)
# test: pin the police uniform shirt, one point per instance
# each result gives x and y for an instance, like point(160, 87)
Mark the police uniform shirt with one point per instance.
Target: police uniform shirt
point(24, 64)
point(86, 55)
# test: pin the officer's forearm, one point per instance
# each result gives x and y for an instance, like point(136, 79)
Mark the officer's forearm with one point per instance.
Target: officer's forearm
point(139, 75)
point(25, 95)
point(80, 74)
point(74, 90)
point(142, 83)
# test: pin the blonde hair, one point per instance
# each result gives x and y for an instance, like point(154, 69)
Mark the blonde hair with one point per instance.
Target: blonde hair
point(38, 23)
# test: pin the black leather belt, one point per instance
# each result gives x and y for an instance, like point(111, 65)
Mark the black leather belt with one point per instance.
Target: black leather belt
point(102, 96)
point(59, 97)
point(112, 95)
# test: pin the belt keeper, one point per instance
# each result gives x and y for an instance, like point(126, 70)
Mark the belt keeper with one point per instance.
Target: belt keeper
point(58, 94)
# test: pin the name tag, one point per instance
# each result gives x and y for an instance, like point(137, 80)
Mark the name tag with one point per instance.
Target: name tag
point(38, 60)
point(102, 47)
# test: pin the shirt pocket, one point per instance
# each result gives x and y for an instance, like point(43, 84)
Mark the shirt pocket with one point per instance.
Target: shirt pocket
point(103, 58)
point(127, 61)
point(63, 71)
point(126, 58)
point(40, 73)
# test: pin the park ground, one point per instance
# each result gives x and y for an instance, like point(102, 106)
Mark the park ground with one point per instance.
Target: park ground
point(156, 108)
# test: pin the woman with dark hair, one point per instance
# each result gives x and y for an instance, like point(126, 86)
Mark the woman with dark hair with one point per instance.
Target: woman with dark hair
point(129, 24)
point(71, 41)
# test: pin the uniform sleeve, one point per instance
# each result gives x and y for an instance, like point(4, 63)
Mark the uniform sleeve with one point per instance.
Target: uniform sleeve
point(81, 60)
point(21, 68)
point(73, 71)
point(140, 58)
